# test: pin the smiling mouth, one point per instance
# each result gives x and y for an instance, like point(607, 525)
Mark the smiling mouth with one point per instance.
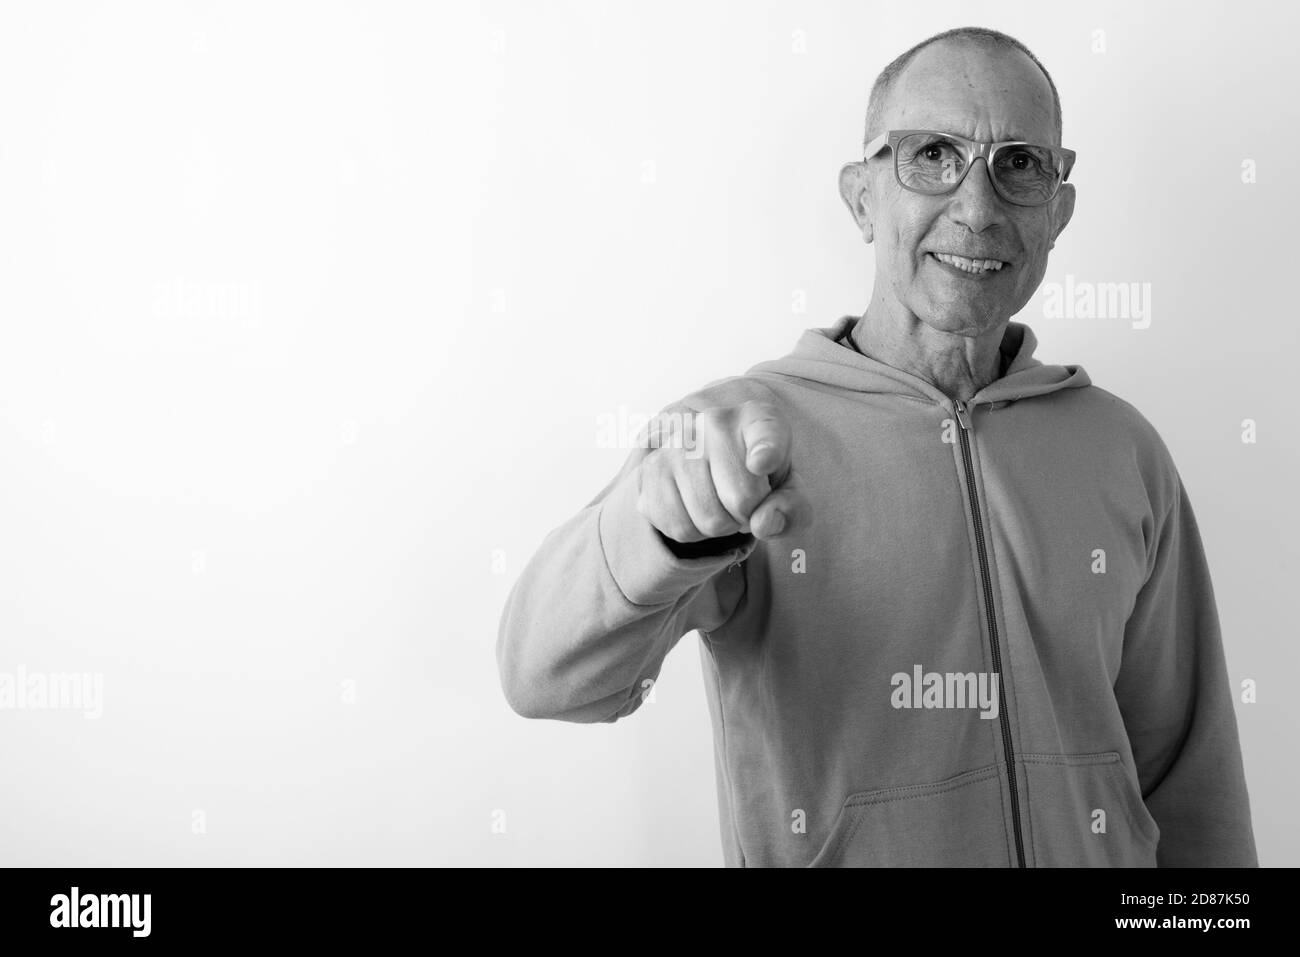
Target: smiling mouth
point(973, 267)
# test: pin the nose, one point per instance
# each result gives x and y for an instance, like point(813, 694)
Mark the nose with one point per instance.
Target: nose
point(975, 203)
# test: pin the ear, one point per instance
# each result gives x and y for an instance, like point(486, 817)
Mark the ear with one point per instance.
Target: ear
point(855, 190)
point(1062, 210)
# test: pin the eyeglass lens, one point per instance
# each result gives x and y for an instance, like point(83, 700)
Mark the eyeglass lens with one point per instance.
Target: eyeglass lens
point(932, 163)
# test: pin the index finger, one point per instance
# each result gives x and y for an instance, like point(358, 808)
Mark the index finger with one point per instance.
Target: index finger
point(765, 432)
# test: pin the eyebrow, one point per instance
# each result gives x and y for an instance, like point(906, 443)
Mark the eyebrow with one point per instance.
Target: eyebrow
point(968, 133)
point(959, 123)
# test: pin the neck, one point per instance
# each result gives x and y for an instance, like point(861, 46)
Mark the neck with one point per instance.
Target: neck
point(959, 365)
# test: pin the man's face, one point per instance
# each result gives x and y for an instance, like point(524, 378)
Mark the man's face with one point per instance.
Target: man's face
point(986, 94)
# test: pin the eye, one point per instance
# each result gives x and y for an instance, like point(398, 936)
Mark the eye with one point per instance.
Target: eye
point(933, 154)
point(1021, 161)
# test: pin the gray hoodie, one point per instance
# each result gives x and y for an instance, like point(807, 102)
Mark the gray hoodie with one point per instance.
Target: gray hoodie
point(996, 646)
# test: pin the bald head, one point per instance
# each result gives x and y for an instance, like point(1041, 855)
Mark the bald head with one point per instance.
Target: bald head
point(962, 42)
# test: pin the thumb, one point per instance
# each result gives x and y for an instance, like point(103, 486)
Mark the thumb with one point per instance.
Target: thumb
point(786, 509)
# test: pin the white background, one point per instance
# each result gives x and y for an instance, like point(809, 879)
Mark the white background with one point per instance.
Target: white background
point(310, 313)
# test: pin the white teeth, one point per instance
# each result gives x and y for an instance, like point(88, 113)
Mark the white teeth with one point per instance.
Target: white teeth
point(969, 265)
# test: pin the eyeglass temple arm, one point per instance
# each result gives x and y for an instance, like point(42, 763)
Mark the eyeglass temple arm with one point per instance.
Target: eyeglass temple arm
point(875, 146)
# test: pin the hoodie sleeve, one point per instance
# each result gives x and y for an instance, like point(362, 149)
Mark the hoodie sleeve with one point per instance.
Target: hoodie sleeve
point(601, 603)
point(1177, 702)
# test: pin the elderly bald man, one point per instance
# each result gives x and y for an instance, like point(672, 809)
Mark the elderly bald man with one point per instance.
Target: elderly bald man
point(952, 602)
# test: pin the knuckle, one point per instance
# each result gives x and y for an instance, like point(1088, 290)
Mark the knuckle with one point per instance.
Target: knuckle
point(749, 503)
point(761, 410)
point(680, 529)
point(656, 482)
point(710, 422)
point(664, 464)
point(716, 525)
point(740, 499)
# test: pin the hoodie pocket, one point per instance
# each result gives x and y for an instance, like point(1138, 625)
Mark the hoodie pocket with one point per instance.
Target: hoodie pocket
point(956, 822)
point(1086, 811)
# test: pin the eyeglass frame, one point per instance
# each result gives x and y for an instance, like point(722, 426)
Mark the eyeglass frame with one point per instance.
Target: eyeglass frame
point(975, 149)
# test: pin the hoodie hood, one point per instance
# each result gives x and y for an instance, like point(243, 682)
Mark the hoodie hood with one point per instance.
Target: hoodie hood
point(824, 356)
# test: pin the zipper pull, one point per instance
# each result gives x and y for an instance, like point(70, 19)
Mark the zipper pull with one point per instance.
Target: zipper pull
point(960, 408)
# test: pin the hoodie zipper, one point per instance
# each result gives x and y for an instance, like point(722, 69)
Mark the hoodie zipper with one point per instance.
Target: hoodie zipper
point(960, 409)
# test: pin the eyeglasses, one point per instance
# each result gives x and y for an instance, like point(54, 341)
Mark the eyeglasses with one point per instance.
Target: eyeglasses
point(934, 163)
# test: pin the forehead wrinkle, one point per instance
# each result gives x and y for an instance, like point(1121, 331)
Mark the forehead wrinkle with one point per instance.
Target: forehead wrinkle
point(974, 125)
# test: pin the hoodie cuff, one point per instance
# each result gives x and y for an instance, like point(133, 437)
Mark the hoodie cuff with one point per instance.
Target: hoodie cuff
point(643, 567)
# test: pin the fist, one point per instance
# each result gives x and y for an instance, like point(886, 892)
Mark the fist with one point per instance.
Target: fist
point(735, 476)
